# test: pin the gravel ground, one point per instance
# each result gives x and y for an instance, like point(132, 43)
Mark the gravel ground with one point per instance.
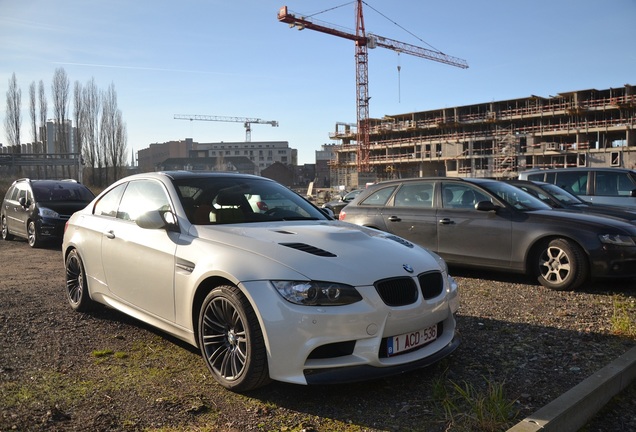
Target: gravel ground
point(61, 370)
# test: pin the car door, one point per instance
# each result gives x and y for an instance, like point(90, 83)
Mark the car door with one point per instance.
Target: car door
point(411, 214)
point(139, 263)
point(18, 214)
point(469, 236)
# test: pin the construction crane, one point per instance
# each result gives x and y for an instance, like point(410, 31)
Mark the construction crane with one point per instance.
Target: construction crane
point(247, 122)
point(362, 43)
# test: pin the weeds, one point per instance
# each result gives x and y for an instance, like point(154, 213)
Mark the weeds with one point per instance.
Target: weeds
point(470, 409)
point(624, 317)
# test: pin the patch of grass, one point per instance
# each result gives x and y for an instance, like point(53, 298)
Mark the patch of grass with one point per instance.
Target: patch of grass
point(102, 353)
point(468, 408)
point(46, 388)
point(624, 317)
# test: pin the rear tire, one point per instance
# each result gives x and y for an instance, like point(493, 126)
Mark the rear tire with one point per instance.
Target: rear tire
point(561, 265)
point(76, 286)
point(5, 230)
point(231, 340)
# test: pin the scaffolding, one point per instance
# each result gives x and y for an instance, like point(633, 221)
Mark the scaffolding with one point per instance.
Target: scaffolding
point(499, 139)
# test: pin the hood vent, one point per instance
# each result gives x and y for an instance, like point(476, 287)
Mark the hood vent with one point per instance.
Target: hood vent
point(309, 249)
point(400, 240)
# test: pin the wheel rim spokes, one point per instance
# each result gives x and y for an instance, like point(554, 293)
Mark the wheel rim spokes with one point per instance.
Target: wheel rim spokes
point(31, 233)
point(74, 280)
point(224, 339)
point(555, 265)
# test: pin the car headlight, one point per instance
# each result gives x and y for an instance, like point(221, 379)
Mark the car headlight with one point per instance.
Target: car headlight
point(47, 212)
point(453, 294)
point(617, 239)
point(312, 293)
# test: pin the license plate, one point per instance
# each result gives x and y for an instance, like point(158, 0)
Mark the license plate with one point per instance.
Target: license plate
point(408, 341)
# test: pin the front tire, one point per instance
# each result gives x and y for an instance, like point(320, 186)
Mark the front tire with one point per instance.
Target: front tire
point(76, 286)
point(231, 340)
point(561, 265)
point(32, 235)
point(5, 229)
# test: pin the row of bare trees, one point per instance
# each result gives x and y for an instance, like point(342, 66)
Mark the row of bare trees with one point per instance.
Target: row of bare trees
point(100, 133)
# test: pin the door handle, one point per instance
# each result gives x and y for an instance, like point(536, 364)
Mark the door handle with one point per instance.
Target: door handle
point(446, 221)
point(110, 234)
point(394, 219)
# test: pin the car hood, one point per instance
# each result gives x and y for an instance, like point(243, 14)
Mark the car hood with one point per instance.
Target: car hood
point(327, 251)
point(63, 207)
point(588, 219)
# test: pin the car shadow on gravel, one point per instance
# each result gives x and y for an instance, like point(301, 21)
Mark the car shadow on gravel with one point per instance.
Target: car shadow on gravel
point(597, 286)
point(528, 361)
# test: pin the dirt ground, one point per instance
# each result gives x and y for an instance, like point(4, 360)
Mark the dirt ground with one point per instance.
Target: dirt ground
point(66, 371)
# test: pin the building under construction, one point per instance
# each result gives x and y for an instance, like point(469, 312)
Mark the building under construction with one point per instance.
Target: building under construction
point(495, 139)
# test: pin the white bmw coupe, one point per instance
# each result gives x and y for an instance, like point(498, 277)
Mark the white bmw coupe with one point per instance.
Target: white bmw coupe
point(288, 294)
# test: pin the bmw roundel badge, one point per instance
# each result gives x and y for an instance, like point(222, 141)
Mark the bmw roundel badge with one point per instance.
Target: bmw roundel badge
point(408, 268)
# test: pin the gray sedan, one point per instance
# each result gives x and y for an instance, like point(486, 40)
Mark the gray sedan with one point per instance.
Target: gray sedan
point(491, 224)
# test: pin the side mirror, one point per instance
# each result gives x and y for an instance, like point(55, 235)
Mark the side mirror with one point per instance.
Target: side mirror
point(329, 212)
point(156, 219)
point(23, 202)
point(486, 206)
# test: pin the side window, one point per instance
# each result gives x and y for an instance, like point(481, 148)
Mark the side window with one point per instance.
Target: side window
point(535, 177)
point(140, 197)
point(107, 205)
point(573, 182)
point(607, 183)
point(379, 197)
point(461, 196)
point(415, 195)
point(13, 193)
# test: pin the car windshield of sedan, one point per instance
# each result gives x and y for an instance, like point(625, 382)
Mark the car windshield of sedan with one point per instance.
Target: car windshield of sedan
point(517, 198)
point(226, 200)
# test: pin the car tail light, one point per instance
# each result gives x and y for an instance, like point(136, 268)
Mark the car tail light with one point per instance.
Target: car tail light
point(65, 226)
point(262, 206)
point(342, 215)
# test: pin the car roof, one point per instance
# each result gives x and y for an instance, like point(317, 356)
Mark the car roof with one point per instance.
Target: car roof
point(176, 175)
point(454, 179)
point(619, 169)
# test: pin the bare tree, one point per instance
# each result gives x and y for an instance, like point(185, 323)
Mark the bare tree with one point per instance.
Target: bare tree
point(33, 114)
point(13, 119)
point(113, 133)
point(91, 104)
point(78, 113)
point(60, 91)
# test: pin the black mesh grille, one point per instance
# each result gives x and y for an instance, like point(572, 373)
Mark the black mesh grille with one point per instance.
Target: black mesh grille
point(397, 291)
point(431, 284)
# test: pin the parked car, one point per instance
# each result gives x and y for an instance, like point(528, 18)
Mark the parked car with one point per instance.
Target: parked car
point(339, 204)
point(491, 224)
point(559, 198)
point(38, 209)
point(611, 186)
point(276, 295)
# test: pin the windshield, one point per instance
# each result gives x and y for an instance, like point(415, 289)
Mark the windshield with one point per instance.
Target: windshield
point(61, 191)
point(561, 194)
point(223, 200)
point(517, 198)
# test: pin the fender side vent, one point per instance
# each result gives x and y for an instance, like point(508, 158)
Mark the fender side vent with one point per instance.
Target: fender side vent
point(309, 249)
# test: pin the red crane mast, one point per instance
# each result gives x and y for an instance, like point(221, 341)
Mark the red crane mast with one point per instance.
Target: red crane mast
point(362, 43)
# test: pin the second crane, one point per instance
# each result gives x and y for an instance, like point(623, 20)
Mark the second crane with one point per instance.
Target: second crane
point(247, 122)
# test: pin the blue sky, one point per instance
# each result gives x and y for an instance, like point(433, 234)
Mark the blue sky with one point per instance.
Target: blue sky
point(233, 58)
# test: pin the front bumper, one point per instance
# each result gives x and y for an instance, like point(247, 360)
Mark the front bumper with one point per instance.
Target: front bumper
point(365, 372)
point(307, 345)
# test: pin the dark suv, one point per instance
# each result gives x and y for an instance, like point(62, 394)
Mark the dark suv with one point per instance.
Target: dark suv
point(38, 209)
